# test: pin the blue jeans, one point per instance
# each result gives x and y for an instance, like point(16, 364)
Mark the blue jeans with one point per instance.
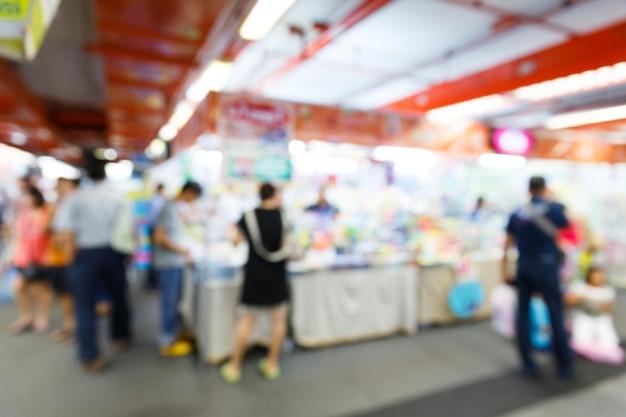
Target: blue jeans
point(94, 269)
point(534, 277)
point(170, 283)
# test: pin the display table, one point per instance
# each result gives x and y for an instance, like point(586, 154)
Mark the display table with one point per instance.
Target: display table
point(328, 307)
point(332, 307)
point(436, 283)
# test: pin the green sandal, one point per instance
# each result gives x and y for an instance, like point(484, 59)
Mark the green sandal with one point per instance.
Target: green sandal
point(228, 375)
point(267, 374)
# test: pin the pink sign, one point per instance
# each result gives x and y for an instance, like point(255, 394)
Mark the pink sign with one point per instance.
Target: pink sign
point(513, 141)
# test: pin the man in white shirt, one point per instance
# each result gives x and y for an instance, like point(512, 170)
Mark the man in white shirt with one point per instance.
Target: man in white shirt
point(87, 218)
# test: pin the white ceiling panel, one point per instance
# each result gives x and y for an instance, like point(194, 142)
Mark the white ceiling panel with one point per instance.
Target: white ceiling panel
point(503, 48)
point(385, 93)
point(313, 82)
point(303, 14)
point(591, 16)
point(381, 60)
point(248, 74)
point(527, 7)
point(407, 32)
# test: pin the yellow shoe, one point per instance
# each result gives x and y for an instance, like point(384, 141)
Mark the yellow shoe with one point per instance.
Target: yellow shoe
point(229, 375)
point(176, 350)
point(269, 374)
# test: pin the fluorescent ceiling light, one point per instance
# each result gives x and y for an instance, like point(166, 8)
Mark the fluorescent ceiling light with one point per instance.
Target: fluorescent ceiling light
point(567, 120)
point(182, 114)
point(297, 147)
point(263, 18)
point(573, 84)
point(106, 154)
point(156, 149)
point(119, 171)
point(168, 132)
point(18, 138)
point(213, 78)
point(52, 168)
point(15, 155)
point(498, 161)
point(470, 109)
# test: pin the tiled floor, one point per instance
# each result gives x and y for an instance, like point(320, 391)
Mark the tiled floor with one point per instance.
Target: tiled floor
point(430, 371)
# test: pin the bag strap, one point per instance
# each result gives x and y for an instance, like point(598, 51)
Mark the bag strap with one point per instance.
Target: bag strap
point(542, 222)
point(255, 238)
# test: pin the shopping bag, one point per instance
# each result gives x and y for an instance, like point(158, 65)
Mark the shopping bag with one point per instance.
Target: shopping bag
point(503, 301)
point(123, 236)
point(7, 285)
point(540, 326)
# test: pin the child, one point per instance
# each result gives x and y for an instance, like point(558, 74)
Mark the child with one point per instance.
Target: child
point(593, 333)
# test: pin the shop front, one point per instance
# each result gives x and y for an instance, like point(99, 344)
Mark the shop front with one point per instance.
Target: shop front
point(383, 208)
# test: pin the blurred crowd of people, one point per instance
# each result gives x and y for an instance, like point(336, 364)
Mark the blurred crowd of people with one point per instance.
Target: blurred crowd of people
point(77, 248)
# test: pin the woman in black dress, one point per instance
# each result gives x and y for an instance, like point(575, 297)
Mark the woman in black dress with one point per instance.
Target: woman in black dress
point(265, 287)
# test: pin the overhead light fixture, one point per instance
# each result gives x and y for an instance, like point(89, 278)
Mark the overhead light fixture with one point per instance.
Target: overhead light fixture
point(156, 149)
point(18, 138)
point(582, 118)
point(213, 78)
point(120, 171)
point(470, 109)
point(168, 132)
point(53, 169)
point(182, 114)
point(263, 18)
point(15, 155)
point(106, 154)
point(573, 84)
point(499, 161)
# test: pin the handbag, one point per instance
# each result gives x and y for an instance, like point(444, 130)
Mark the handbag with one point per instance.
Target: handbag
point(123, 239)
point(289, 249)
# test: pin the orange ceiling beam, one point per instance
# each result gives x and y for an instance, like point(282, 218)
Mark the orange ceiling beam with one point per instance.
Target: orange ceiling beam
point(152, 35)
point(140, 55)
point(134, 109)
point(582, 53)
point(235, 48)
point(115, 80)
point(325, 38)
point(79, 119)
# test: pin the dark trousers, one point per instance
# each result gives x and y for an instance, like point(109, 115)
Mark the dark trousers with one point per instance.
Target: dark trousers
point(93, 270)
point(170, 283)
point(535, 277)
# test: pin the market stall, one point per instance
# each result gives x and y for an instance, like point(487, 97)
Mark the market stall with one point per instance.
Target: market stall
point(328, 308)
point(399, 232)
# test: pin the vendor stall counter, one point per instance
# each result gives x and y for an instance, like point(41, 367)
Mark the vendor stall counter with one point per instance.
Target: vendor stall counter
point(328, 307)
point(436, 282)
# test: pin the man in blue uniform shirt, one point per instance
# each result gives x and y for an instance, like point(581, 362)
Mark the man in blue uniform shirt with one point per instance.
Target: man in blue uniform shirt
point(533, 229)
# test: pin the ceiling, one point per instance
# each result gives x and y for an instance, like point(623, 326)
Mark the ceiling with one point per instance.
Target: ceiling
point(399, 52)
point(110, 72)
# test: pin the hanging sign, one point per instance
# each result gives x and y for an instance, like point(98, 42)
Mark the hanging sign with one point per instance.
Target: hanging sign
point(513, 141)
point(13, 9)
point(255, 138)
point(23, 26)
